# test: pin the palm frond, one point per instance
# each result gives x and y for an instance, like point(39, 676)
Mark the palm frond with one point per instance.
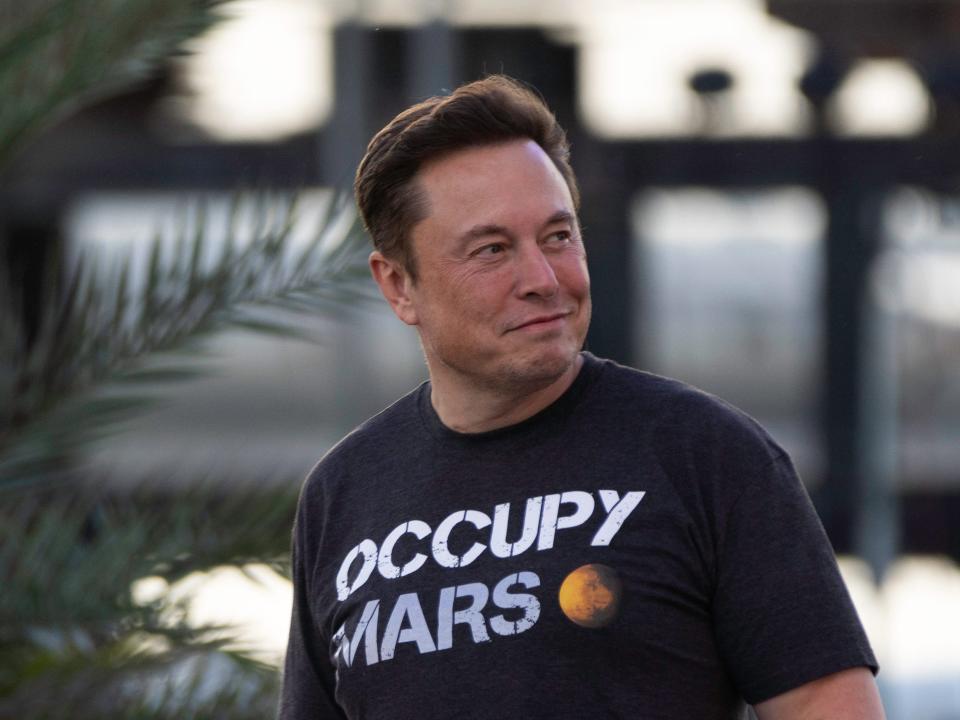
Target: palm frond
point(72, 634)
point(72, 631)
point(56, 55)
point(98, 336)
point(75, 639)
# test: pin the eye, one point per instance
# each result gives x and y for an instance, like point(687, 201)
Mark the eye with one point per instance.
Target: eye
point(488, 250)
point(561, 236)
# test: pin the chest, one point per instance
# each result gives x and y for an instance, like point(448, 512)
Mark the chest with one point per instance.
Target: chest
point(473, 565)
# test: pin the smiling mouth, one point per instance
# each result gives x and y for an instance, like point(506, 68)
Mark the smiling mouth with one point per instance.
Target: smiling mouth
point(541, 322)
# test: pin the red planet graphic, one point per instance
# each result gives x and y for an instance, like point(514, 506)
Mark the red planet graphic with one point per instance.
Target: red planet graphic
point(590, 595)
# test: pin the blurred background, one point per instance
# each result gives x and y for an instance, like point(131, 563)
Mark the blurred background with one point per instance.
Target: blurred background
point(771, 204)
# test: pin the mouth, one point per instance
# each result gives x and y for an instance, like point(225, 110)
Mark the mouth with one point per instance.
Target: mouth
point(542, 322)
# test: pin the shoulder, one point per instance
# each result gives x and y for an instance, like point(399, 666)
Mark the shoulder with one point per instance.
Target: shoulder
point(708, 451)
point(380, 439)
point(630, 386)
point(673, 411)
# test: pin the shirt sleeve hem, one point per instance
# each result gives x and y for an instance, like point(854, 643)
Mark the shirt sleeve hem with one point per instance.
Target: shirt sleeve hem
point(791, 679)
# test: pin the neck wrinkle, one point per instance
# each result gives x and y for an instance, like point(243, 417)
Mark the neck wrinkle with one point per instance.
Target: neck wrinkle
point(482, 411)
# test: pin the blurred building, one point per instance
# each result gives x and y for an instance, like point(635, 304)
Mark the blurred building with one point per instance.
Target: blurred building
point(771, 201)
point(770, 198)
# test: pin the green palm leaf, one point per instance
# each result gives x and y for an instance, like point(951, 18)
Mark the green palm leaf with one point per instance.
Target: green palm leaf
point(75, 641)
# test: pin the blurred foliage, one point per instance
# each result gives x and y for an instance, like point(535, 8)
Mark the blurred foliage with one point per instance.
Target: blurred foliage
point(99, 336)
point(76, 640)
point(71, 634)
point(57, 55)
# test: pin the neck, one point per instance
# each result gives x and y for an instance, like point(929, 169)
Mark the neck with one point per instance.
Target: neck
point(469, 408)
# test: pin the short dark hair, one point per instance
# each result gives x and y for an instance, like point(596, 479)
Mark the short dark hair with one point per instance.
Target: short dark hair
point(485, 112)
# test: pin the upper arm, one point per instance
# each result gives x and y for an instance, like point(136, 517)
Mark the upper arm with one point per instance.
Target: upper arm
point(308, 676)
point(782, 613)
point(846, 695)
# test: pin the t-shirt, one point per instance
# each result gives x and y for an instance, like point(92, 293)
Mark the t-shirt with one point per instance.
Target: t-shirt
point(638, 549)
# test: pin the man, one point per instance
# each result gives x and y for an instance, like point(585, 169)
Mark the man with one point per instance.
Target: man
point(536, 532)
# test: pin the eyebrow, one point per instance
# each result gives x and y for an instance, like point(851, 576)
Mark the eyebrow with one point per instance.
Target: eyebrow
point(481, 231)
point(559, 217)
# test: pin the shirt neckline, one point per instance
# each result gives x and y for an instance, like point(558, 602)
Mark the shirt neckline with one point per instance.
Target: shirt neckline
point(559, 408)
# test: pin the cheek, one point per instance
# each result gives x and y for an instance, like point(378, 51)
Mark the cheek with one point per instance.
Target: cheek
point(574, 276)
point(482, 293)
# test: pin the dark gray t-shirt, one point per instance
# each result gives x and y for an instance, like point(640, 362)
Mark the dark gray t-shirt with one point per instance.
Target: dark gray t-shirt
point(639, 549)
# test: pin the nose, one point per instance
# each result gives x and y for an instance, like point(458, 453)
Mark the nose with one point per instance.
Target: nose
point(534, 273)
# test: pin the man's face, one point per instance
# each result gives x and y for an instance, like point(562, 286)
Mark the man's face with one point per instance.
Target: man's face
point(502, 297)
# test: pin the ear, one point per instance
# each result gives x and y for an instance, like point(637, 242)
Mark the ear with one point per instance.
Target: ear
point(395, 284)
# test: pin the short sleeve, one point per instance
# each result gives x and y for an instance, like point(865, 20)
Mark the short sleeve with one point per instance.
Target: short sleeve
point(782, 613)
point(308, 676)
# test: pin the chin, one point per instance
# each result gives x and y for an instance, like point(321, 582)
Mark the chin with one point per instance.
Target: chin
point(539, 371)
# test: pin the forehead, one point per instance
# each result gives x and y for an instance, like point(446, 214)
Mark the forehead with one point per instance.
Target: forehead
point(493, 183)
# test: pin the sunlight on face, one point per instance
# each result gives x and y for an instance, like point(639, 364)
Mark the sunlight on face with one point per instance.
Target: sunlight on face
point(503, 296)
